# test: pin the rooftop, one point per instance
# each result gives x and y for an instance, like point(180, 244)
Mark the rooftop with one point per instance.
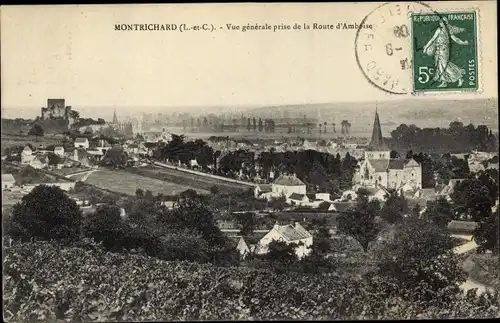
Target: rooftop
point(293, 233)
point(8, 178)
point(288, 180)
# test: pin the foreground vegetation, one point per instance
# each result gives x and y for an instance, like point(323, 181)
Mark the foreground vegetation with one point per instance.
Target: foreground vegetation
point(48, 281)
point(156, 263)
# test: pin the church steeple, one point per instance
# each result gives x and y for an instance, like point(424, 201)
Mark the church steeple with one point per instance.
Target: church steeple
point(115, 118)
point(377, 142)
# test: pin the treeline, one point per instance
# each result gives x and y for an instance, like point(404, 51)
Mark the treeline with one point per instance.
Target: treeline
point(457, 138)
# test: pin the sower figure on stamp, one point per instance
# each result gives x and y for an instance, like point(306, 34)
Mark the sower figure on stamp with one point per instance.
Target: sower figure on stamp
point(439, 46)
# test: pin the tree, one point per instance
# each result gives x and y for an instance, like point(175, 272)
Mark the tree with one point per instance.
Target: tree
point(282, 252)
point(46, 213)
point(104, 225)
point(278, 203)
point(53, 159)
point(191, 213)
point(486, 234)
point(420, 260)
point(36, 131)
point(439, 212)
point(247, 222)
point(214, 189)
point(394, 154)
point(73, 114)
point(395, 207)
point(360, 222)
point(139, 192)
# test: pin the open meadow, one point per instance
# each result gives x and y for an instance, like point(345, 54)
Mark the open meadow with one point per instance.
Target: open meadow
point(199, 182)
point(127, 183)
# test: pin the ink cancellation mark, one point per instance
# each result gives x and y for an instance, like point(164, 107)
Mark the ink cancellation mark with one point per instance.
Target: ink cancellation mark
point(384, 53)
point(445, 52)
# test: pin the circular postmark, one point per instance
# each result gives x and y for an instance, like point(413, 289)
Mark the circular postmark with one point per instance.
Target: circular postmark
point(385, 45)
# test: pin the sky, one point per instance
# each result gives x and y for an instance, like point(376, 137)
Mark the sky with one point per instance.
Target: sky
point(73, 52)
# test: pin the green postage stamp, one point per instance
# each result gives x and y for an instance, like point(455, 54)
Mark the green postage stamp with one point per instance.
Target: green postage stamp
point(445, 51)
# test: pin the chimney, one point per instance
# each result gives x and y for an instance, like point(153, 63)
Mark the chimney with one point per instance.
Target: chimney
point(296, 224)
point(75, 154)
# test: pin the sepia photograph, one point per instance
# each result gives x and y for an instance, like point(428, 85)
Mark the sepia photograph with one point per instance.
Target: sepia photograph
point(252, 161)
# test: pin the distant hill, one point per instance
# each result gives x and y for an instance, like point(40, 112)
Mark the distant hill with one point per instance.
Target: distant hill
point(423, 113)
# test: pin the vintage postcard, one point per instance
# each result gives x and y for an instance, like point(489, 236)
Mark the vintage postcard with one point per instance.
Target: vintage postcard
point(254, 161)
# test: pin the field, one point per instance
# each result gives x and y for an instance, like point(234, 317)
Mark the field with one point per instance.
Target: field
point(182, 178)
point(127, 183)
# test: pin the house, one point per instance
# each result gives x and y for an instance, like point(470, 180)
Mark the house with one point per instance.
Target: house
point(59, 150)
point(323, 196)
point(27, 155)
point(39, 161)
point(287, 185)
point(476, 166)
point(378, 168)
point(8, 181)
point(297, 199)
point(379, 194)
point(426, 193)
point(262, 190)
point(102, 146)
point(447, 190)
point(84, 158)
point(82, 143)
point(289, 234)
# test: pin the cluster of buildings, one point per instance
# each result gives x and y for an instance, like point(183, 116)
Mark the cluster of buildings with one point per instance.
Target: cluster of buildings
point(377, 172)
point(327, 146)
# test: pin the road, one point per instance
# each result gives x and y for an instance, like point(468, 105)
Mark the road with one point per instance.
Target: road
point(468, 246)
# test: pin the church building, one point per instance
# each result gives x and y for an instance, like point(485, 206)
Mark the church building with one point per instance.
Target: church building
point(379, 169)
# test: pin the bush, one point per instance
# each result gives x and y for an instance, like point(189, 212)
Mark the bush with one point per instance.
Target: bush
point(105, 225)
point(46, 213)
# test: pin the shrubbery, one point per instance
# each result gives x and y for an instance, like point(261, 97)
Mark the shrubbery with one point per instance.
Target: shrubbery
point(45, 213)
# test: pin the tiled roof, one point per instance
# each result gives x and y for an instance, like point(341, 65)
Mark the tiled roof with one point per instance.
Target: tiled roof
point(42, 158)
point(380, 165)
point(462, 225)
point(291, 233)
point(296, 196)
point(265, 188)
point(343, 206)
point(288, 180)
point(396, 163)
point(427, 192)
point(80, 140)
